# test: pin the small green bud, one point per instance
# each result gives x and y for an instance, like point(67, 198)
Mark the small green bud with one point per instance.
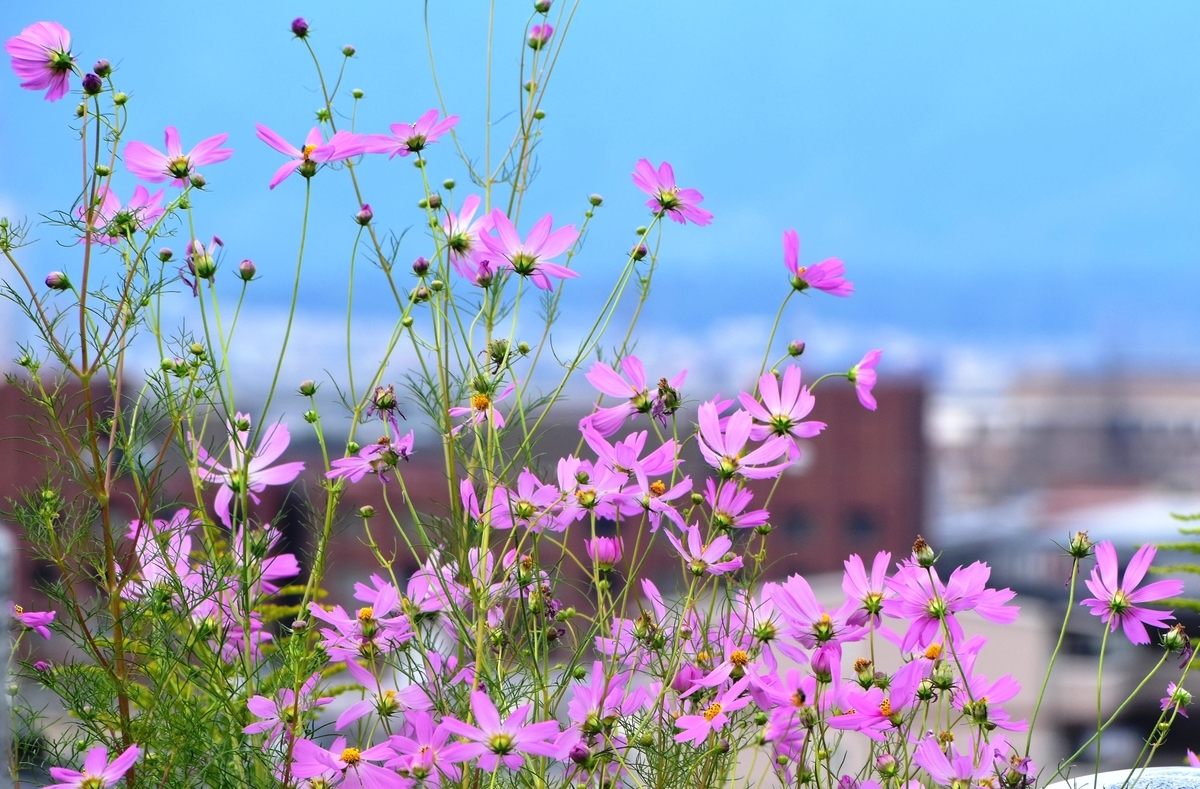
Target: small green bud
point(241, 425)
point(120, 99)
point(523, 348)
point(349, 51)
point(589, 213)
point(528, 86)
point(764, 529)
point(436, 285)
point(697, 499)
point(448, 184)
point(1080, 546)
point(640, 230)
point(323, 115)
point(299, 626)
point(407, 322)
point(923, 553)
point(795, 348)
point(103, 170)
point(422, 203)
point(308, 387)
point(357, 93)
point(311, 416)
point(198, 181)
point(366, 511)
point(81, 110)
point(646, 739)
point(419, 163)
point(579, 673)
point(596, 200)
point(352, 447)
point(567, 614)
point(539, 115)
point(196, 349)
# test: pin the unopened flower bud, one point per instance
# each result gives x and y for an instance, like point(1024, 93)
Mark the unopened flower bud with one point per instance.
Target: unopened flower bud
point(25, 360)
point(528, 86)
point(299, 626)
point(436, 285)
point(198, 181)
point(523, 348)
point(311, 416)
point(352, 447)
point(422, 203)
point(639, 252)
point(196, 349)
point(539, 36)
point(366, 511)
point(407, 321)
point(308, 387)
point(247, 270)
point(764, 529)
point(419, 163)
point(165, 254)
point(357, 93)
point(103, 170)
point(241, 425)
point(1080, 546)
point(57, 280)
point(922, 553)
point(120, 99)
point(102, 68)
point(887, 765)
point(542, 6)
point(324, 115)
point(596, 200)
point(80, 109)
point(167, 365)
point(435, 201)
point(539, 115)
point(299, 27)
point(579, 752)
point(420, 294)
point(420, 267)
point(795, 348)
point(448, 184)
point(348, 51)
point(365, 215)
point(640, 230)
point(92, 84)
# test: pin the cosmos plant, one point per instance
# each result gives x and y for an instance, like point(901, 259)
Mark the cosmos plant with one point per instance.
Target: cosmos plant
point(522, 632)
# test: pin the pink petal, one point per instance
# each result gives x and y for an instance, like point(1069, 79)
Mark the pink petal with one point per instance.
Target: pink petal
point(274, 140)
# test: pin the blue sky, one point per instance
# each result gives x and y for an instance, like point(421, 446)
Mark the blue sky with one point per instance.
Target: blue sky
point(1014, 183)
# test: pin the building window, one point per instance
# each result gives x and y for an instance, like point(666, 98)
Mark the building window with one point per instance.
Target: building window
point(797, 522)
point(861, 523)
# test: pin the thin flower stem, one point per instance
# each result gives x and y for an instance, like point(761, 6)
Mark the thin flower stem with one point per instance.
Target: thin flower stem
point(1062, 634)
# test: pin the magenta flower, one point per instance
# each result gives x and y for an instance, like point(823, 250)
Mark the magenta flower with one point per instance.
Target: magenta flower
point(708, 558)
point(729, 506)
point(482, 410)
point(494, 741)
point(826, 275)
point(284, 710)
point(696, 728)
point(152, 165)
point(314, 152)
point(111, 222)
point(345, 766)
point(248, 471)
point(863, 376)
point(36, 621)
point(604, 551)
point(386, 702)
point(529, 258)
point(370, 630)
point(539, 36)
point(924, 601)
point(782, 409)
point(462, 231)
point(870, 592)
point(98, 771)
point(164, 550)
point(954, 770)
point(409, 138)
point(808, 621)
point(1178, 698)
point(377, 458)
point(630, 387)
point(1117, 603)
point(680, 204)
point(876, 712)
point(41, 57)
point(725, 450)
point(428, 752)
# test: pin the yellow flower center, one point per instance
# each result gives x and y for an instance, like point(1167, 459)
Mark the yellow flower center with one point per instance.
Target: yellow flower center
point(18, 609)
point(366, 614)
point(480, 402)
point(713, 711)
point(307, 150)
point(933, 651)
point(885, 708)
point(701, 657)
point(657, 488)
point(351, 756)
point(739, 658)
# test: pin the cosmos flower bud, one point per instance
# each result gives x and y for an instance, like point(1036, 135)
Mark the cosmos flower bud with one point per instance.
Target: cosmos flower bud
point(886, 765)
point(247, 270)
point(448, 184)
point(539, 36)
point(542, 6)
point(120, 99)
point(92, 84)
point(57, 280)
point(81, 110)
point(435, 201)
point(103, 170)
point(102, 68)
point(539, 115)
point(365, 215)
point(922, 553)
point(42, 666)
point(165, 254)
point(596, 200)
point(357, 93)
point(311, 416)
point(1080, 546)
point(323, 115)
point(580, 753)
point(299, 27)
point(198, 181)
point(436, 285)
point(823, 664)
point(1175, 639)
point(420, 267)
point(795, 348)
point(421, 294)
point(299, 625)
point(348, 51)
point(308, 388)
point(523, 348)
point(639, 252)
point(196, 349)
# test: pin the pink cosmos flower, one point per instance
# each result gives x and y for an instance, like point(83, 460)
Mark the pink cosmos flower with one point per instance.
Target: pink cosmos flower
point(344, 766)
point(539, 36)
point(826, 275)
point(1178, 698)
point(409, 138)
point(680, 204)
point(530, 258)
point(375, 458)
point(532, 505)
point(494, 741)
point(590, 488)
point(41, 58)
point(111, 222)
point(248, 471)
point(782, 408)
point(98, 771)
point(706, 558)
point(36, 621)
point(425, 750)
point(164, 550)
point(604, 551)
point(729, 506)
point(279, 713)
point(482, 410)
point(152, 165)
point(724, 450)
point(655, 499)
point(924, 601)
point(315, 151)
point(953, 770)
point(1117, 603)
point(868, 592)
point(386, 702)
point(863, 376)
point(371, 629)
point(1192, 759)
point(875, 711)
point(462, 231)
point(631, 388)
point(696, 728)
point(808, 621)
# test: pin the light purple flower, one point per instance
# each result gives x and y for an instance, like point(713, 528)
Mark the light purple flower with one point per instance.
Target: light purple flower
point(375, 458)
point(808, 621)
point(954, 770)
point(725, 450)
point(425, 750)
point(729, 504)
point(870, 592)
point(278, 714)
point(152, 165)
point(315, 151)
point(111, 222)
point(248, 471)
point(98, 771)
point(386, 702)
point(1118, 603)
point(36, 621)
point(409, 138)
point(696, 728)
point(680, 204)
point(782, 409)
point(494, 741)
point(462, 231)
point(41, 57)
point(924, 601)
point(863, 376)
point(530, 258)
point(877, 712)
point(1177, 697)
point(826, 275)
point(630, 388)
point(604, 551)
point(708, 558)
point(345, 766)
